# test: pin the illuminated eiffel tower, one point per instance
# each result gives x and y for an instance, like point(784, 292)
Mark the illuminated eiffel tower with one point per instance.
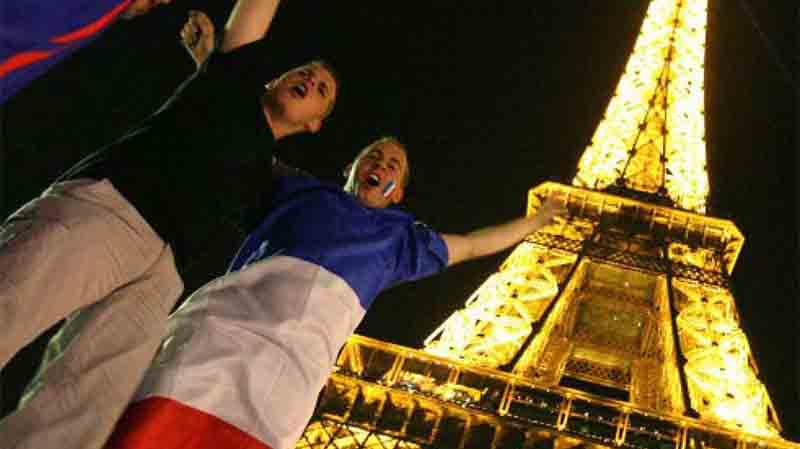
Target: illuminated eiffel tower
point(614, 328)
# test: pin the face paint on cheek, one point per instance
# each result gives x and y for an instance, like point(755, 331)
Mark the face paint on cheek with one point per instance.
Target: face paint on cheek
point(389, 188)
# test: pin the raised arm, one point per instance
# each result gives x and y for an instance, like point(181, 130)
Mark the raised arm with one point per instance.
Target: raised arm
point(248, 22)
point(197, 36)
point(489, 240)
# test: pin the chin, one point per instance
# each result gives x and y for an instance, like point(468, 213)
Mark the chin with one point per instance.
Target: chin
point(366, 202)
point(379, 206)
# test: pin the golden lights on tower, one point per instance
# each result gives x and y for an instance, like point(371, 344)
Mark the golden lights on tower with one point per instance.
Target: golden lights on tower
point(498, 317)
point(651, 138)
point(722, 381)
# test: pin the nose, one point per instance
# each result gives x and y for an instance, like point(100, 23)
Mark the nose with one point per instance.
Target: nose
point(312, 82)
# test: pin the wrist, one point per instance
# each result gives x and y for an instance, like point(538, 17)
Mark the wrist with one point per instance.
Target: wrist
point(537, 221)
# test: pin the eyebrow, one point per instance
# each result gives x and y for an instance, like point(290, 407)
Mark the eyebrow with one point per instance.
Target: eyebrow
point(395, 160)
point(322, 83)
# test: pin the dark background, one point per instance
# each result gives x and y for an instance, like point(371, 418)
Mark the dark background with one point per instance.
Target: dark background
point(492, 98)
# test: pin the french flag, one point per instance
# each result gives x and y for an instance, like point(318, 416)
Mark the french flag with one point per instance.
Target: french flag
point(245, 360)
point(247, 355)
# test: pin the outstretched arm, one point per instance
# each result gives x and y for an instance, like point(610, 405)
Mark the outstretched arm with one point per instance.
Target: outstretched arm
point(248, 22)
point(492, 239)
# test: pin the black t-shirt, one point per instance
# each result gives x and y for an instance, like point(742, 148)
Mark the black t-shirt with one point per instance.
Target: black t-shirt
point(203, 161)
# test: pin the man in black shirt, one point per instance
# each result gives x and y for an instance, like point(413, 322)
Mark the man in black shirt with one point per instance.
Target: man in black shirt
point(102, 238)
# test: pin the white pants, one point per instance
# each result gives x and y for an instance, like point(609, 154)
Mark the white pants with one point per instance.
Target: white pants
point(81, 251)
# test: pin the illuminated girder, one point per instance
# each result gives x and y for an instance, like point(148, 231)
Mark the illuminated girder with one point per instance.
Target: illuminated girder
point(341, 436)
point(723, 387)
point(498, 317)
point(652, 136)
point(377, 399)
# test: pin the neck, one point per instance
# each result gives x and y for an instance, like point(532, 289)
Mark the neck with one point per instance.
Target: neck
point(278, 127)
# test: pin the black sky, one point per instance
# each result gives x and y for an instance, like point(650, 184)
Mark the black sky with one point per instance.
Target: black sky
point(492, 98)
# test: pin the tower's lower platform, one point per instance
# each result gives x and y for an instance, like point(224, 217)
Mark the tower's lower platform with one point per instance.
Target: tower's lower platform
point(389, 396)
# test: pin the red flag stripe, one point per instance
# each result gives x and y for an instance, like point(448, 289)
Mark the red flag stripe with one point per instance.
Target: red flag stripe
point(92, 28)
point(23, 59)
point(160, 423)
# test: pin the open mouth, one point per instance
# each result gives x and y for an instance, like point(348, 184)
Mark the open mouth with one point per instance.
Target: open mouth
point(374, 180)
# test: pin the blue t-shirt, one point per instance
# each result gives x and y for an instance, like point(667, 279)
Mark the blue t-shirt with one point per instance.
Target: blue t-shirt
point(371, 249)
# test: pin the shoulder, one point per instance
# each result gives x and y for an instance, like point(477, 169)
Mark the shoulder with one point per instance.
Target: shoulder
point(397, 216)
point(281, 169)
point(405, 224)
point(298, 184)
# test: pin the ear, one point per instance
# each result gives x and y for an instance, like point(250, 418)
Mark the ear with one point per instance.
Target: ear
point(397, 196)
point(313, 126)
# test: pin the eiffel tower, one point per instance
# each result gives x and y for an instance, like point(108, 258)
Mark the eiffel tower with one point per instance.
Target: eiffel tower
point(613, 328)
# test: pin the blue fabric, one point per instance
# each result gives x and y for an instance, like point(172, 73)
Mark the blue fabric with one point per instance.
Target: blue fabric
point(29, 25)
point(371, 249)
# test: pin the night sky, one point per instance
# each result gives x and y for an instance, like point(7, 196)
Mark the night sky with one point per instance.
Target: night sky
point(492, 98)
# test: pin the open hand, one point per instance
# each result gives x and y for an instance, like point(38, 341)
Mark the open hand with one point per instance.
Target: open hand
point(197, 36)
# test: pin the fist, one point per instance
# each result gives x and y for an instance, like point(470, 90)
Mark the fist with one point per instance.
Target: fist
point(553, 207)
point(197, 36)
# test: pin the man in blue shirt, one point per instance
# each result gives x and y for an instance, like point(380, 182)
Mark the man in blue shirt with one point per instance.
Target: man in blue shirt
point(248, 353)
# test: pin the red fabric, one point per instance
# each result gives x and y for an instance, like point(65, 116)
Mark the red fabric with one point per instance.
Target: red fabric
point(27, 58)
point(92, 28)
point(22, 59)
point(160, 423)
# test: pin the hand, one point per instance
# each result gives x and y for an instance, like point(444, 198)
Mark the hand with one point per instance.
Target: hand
point(197, 36)
point(553, 207)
